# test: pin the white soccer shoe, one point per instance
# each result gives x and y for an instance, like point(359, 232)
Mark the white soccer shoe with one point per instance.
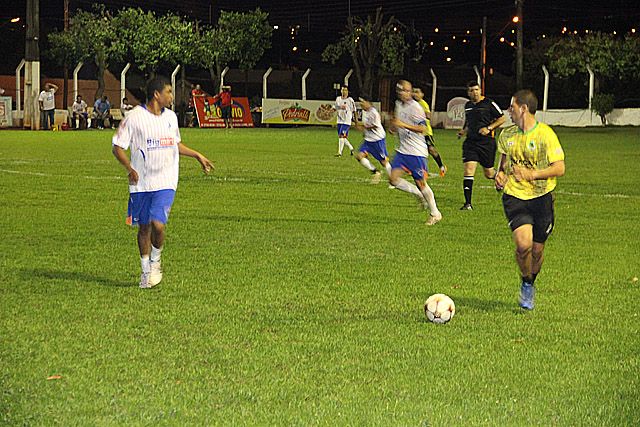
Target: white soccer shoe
point(434, 219)
point(376, 177)
point(144, 281)
point(155, 277)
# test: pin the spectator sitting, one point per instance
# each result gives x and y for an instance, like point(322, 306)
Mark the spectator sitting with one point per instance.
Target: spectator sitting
point(79, 112)
point(125, 107)
point(102, 112)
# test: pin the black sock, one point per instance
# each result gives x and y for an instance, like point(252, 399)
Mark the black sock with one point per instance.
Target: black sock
point(438, 160)
point(533, 277)
point(527, 279)
point(467, 185)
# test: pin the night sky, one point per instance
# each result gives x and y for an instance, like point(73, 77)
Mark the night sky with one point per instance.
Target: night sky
point(322, 22)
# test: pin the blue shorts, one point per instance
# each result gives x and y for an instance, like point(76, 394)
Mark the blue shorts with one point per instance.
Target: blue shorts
point(378, 149)
point(414, 165)
point(343, 130)
point(150, 206)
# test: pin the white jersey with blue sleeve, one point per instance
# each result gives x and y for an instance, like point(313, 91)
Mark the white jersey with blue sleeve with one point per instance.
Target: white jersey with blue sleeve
point(411, 143)
point(373, 131)
point(345, 107)
point(153, 144)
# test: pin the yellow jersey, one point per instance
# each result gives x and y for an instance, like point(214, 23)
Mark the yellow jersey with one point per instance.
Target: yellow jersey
point(427, 110)
point(535, 149)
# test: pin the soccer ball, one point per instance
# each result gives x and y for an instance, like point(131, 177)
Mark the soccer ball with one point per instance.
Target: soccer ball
point(439, 308)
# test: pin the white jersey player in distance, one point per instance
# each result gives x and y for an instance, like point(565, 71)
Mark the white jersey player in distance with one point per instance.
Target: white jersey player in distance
point(374, 143)
point(150, 133)
point(411, 154)
point(345, 108)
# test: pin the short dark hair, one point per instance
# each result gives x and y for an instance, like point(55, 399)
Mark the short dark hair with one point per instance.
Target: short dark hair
point(156, 85)
point(528, 98)
point(472, 83)
point(365, 98)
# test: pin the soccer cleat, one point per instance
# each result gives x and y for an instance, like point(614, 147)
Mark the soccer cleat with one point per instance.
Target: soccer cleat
point(338, 155)
point(443, 171)
point(527, 293)
point(352, 152)
point(466, 207)
point(144, 281)
point(155, 277)
point(434, 219)
point(376, 177)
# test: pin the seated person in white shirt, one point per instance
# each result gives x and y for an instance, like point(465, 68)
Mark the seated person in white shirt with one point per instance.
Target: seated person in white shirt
point(79, 112)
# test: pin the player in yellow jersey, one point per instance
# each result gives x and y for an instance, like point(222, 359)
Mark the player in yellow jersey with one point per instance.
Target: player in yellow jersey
point(418, 95)
point(531, 160)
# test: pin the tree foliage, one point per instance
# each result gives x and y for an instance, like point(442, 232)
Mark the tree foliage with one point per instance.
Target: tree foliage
point(602, 104)
point(374, 45)
point(91, 36)
point(240, 38)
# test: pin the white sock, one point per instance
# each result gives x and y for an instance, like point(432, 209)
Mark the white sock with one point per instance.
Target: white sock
point(430, 198)
point(340, 145)
point(144, 262)
point(405, 185)
point(367, 164)
point(155, 254)
point(388, 168)
point(348, 144)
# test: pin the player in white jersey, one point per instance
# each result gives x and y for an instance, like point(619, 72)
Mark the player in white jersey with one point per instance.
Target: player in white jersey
point(345, 108)
point(411, 154)
point(374, 141)
point(150, 132)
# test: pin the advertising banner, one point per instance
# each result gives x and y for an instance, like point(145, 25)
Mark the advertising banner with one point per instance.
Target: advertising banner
point(455, 113)
point(302, 112)
point(210, 115)
point(5, 112)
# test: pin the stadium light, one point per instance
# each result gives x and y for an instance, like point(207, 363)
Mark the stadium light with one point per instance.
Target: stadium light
point(633, 31)
point(275, 27)
point(14, 20)
point(437, 29)
point(516, 19)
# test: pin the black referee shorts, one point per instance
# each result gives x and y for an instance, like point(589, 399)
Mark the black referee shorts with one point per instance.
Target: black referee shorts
point(537, 212)
point(483, 152)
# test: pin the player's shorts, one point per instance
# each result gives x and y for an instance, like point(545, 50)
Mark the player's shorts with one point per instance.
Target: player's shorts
point(430, 140)
point(414, 165)
point(483, 152)
point(226, 111)
point(343, 130)
point(537, 212)
point(148, 206)
point(378, 149)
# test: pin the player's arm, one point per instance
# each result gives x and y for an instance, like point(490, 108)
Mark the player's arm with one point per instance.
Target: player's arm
point(462, 132)
point(419, 128)
point(206, 164)
point(122, 157)
point(501, 176)
point(55, 88)
point(555, 169)
point(492, 126)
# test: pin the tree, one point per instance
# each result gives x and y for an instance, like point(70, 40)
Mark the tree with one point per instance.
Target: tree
point(91, 36)
point(152, 41)
point(237, 37)
point(374, 46)
point(602, 104)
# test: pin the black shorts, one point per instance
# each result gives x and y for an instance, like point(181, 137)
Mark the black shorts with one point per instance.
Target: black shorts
point(226, 112)
point(537, 212)
point(430, 141)
point(483, 152)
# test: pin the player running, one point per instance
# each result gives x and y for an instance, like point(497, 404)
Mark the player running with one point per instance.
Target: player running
point(345, 108)
point(418, 95)
point(374, 143)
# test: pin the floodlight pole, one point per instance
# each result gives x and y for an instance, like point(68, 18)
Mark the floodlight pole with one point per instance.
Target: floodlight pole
point(434, 89)
point(173, 86)
point(18, 92)
point(546, 88)
point(304, 83)
point(75, 80)
point(123, 82)
point(346, 77)
point(264, 82)
point(224, 72)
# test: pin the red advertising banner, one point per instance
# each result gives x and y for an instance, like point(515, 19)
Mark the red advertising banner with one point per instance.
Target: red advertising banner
point(210, 114)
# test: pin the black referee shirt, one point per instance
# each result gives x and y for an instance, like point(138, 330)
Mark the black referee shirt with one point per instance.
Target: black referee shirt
point(480, 115)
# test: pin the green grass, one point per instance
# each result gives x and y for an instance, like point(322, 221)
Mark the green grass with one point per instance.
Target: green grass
point(293, 291)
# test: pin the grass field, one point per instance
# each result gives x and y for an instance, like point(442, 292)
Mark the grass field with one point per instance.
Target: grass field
point(293, 291)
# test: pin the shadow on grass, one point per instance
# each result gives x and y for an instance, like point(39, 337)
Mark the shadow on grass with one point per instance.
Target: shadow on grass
point(74, 276)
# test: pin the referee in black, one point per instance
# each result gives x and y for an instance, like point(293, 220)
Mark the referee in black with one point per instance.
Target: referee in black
point(482, 118)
